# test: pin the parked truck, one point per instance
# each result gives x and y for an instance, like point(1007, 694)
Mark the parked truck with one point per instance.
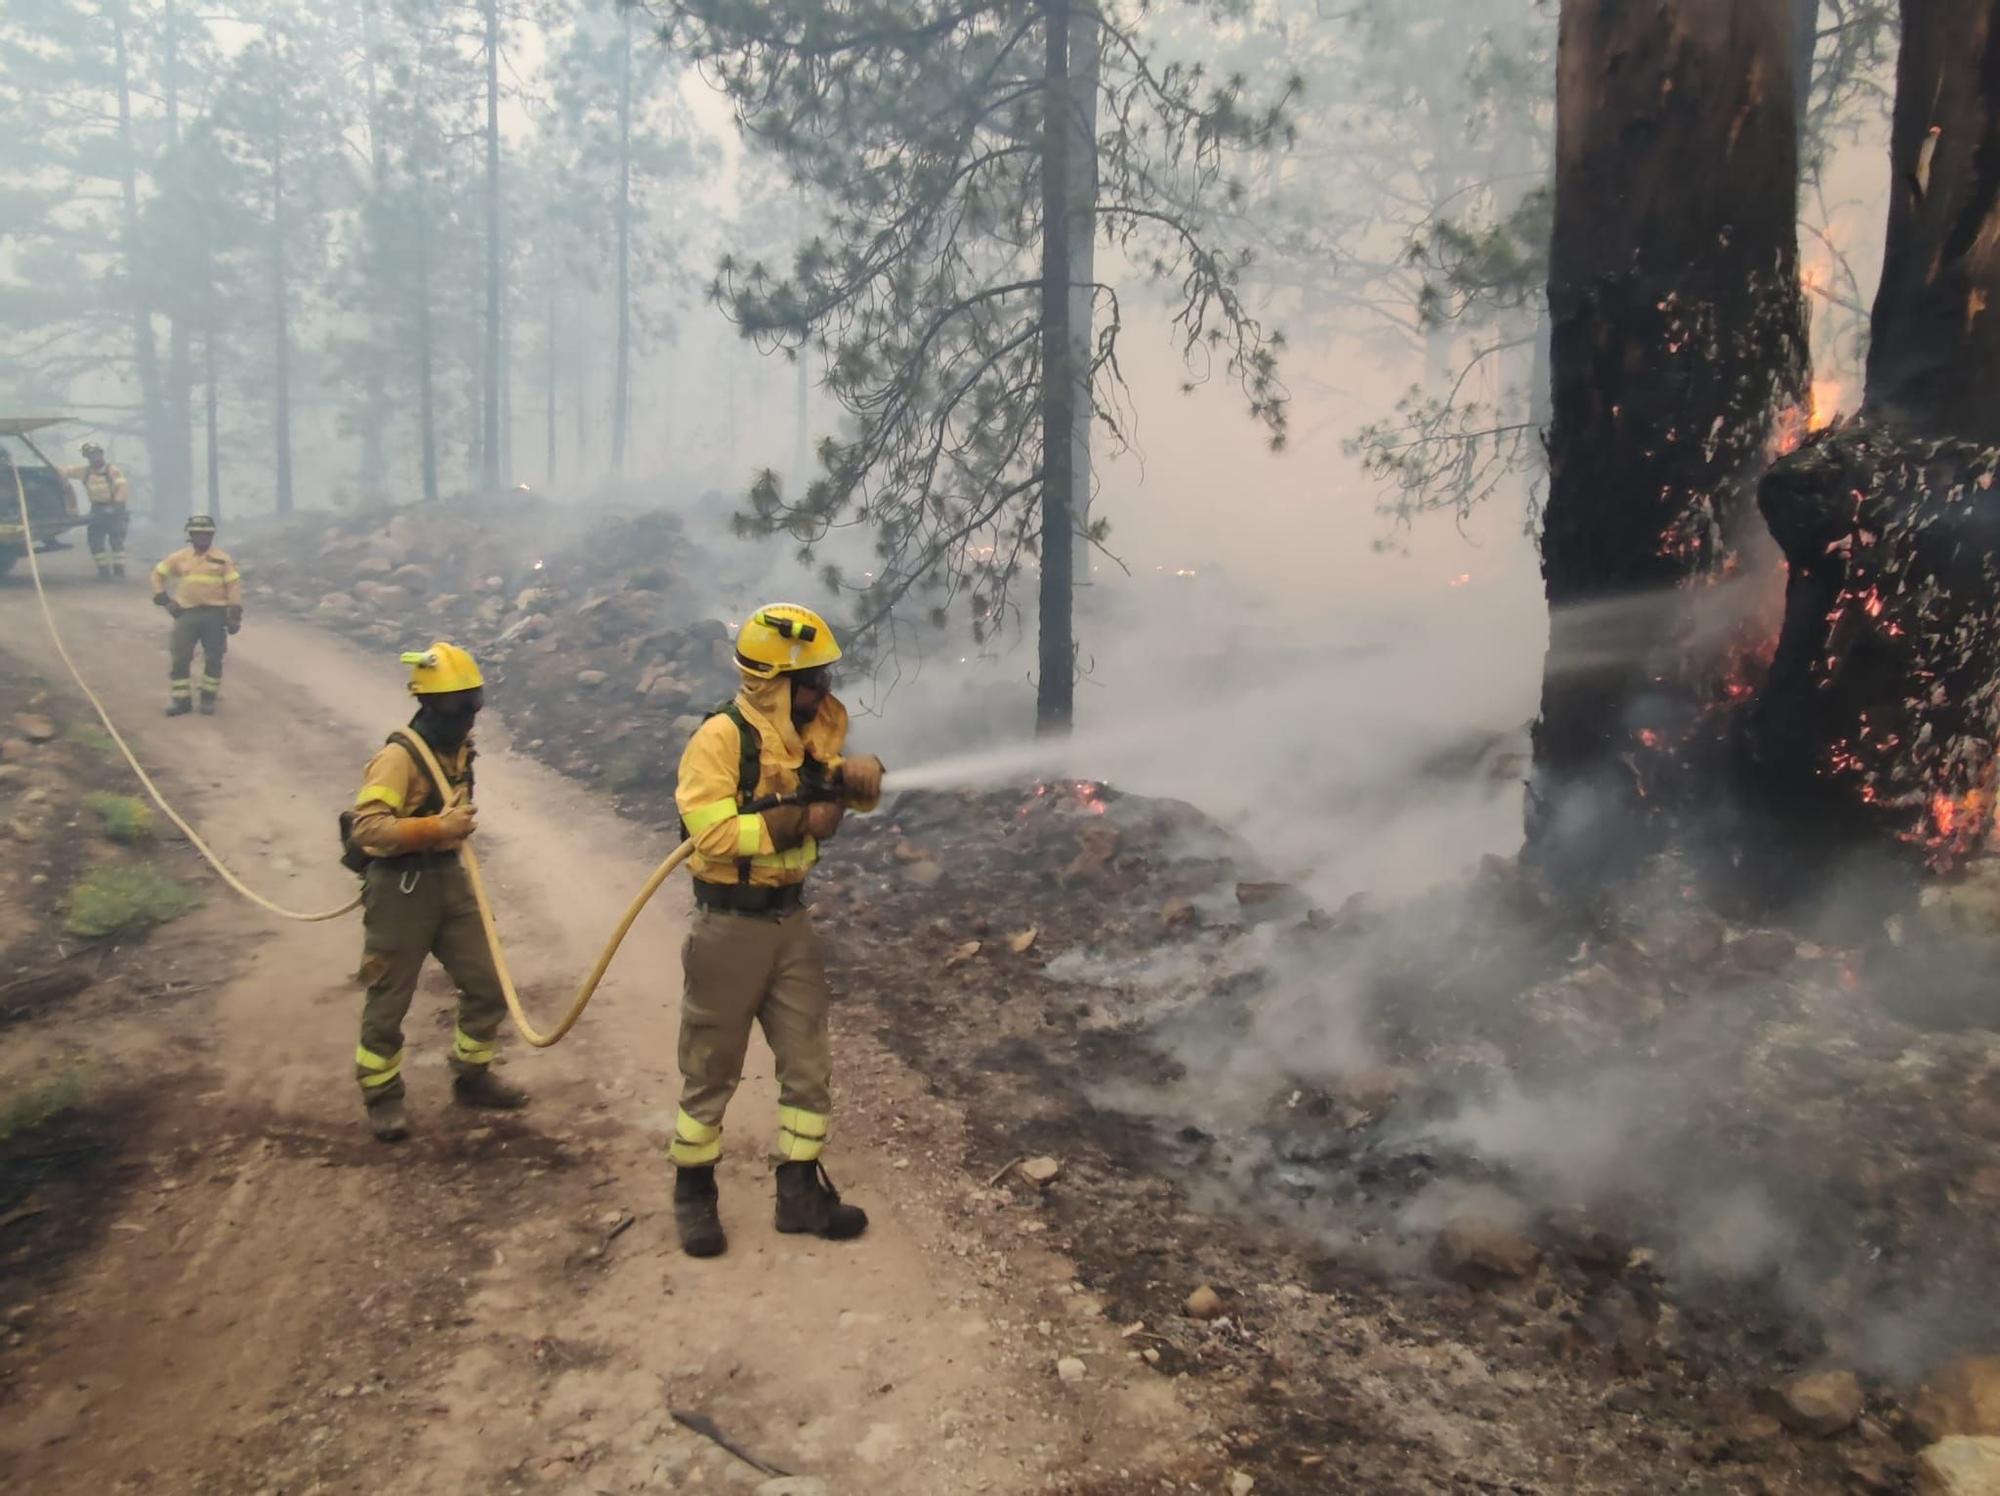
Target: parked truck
point(26, 471)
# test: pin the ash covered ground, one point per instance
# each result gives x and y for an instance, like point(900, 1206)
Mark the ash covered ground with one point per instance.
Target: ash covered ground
point(1467, 1189)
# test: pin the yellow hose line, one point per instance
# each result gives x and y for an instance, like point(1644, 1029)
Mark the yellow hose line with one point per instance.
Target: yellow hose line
point(577, 1004)
point(466, 857)
point(194, 838)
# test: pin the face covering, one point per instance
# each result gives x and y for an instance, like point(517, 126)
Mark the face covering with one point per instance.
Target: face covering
point(445, 722)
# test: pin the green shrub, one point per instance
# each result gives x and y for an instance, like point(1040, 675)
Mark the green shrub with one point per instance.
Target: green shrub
point(24, 1108)
point(90, 735)
point(127, 819)
point(126, 900)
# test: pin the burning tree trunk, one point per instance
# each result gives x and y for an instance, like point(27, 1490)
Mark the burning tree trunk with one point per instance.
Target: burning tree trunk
point(1677, 331)
point(1934, 361)
point(1883, 705)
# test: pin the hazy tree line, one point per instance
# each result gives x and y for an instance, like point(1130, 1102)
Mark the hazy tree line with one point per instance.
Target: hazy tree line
point(436, 221)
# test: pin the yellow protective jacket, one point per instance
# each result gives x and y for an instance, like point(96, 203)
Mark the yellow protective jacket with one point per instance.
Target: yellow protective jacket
point(395, 790)
point(195, 580)
point(711, 772)
point(107, 488)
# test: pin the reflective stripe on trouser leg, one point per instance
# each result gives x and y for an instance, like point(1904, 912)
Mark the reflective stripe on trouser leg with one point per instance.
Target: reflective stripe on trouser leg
point(801, 1134)
point(470, 1051)
point(695, 1143)
point(211, 685)
point(181, 688)
point(375, 1071)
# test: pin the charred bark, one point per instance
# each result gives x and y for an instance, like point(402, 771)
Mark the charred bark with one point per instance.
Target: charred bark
point(1677, 334)
point(1883, 705)
point(1934, 359)
point(1882, 711)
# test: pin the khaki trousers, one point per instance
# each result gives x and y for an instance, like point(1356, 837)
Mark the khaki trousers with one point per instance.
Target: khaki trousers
point(742, 969)
point(410, 912)
point(208, 628)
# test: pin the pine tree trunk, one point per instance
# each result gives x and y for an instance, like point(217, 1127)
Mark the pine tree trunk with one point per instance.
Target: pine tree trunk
point(489, 441)
point(1805, 47)
point(1881, 718)
point(213, 411)
point(375, 418)
point(550, 373)
point(1055, 693)
point(426, 359)
point(1085, 44)
point(1934, 356)
point(145, 352)
point(281, 323)
point(621, 398)
point(1676, 332)
point(174, 487)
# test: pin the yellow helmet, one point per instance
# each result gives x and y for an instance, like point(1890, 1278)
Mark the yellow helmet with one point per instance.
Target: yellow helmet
point(441, 669)
point(783, 637)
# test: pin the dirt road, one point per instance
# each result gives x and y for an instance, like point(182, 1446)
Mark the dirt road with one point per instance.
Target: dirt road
point(274, 1302)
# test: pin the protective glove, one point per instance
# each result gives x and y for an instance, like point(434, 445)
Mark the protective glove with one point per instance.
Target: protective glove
point(174, 609)
point(823, 819)
point(234, 623)
point(862, 778)
point(438, 833)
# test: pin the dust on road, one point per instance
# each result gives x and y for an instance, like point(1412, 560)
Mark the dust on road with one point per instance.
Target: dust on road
point(275, 1302)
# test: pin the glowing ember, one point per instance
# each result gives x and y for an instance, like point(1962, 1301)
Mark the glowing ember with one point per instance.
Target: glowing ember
point(1789, 429)
point(1086, 795)
point(1461, 579)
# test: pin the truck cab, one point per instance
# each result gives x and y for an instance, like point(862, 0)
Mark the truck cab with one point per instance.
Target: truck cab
point(27, 475)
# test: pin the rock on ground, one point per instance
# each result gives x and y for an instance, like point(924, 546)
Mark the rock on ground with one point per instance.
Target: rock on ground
point(1822, 1405)
point(1960, 1397)
point(1478, 1250)
point(1960, 1466)
point(1203, 1303)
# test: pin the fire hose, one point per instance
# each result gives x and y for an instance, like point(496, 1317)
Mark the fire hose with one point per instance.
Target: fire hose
point(466, 857)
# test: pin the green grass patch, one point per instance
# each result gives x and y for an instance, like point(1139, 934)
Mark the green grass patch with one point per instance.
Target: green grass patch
point(127, 900)
point(126, 819)
point(24, 1108)
point(90, 735)
point(622, 771)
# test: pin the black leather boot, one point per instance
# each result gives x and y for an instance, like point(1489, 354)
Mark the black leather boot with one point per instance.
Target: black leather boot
point(808, 1202)
point(695, 1213)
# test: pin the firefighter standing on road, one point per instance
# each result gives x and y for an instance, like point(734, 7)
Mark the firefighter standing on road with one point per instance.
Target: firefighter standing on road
point(417, 900)
point(753, 955)
point(202, 591)
point(110, 510)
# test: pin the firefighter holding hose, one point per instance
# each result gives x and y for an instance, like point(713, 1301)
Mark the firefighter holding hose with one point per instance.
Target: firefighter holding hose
point(402, 835)
point(763, 783)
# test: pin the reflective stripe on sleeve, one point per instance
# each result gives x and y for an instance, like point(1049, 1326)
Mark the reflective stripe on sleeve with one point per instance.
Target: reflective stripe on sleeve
point(374, 792)
point(712, 814)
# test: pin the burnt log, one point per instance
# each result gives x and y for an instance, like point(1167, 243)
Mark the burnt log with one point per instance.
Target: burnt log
point(1882, 708)
point(1677, 336)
